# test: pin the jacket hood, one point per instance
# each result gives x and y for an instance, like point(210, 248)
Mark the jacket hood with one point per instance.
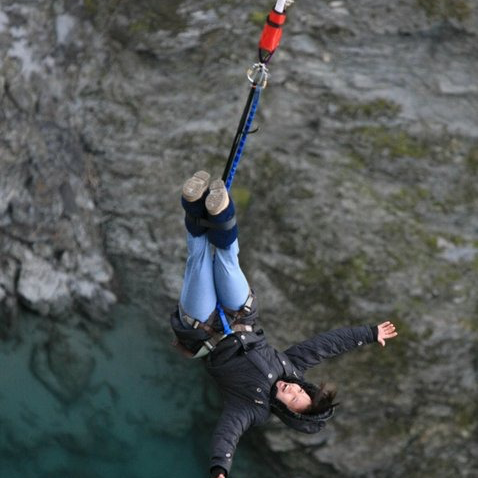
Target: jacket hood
point(299, 421)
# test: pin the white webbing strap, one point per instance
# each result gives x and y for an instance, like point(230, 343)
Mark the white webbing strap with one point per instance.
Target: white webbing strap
point(281, 5)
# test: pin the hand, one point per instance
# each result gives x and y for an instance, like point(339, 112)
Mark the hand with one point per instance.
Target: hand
point(386, 330)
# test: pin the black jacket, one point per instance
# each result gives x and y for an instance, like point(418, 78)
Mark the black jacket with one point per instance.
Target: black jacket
point(246, 367)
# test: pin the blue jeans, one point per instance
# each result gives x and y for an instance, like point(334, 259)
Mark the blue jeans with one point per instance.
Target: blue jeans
point(211, 278)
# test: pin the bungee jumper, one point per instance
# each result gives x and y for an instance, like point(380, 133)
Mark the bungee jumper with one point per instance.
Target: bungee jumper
point(217, 314)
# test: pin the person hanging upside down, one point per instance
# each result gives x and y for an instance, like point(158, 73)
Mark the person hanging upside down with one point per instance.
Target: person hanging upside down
point(216, 320)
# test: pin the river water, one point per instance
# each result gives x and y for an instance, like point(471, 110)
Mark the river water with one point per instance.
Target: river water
point(129, 422)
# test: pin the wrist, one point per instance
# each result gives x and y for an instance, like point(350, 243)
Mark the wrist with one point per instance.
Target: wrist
point(374, 332)
point(217, 470)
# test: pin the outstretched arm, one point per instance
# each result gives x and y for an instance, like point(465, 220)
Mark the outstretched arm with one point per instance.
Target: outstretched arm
point(330, 344)
point(234, 421)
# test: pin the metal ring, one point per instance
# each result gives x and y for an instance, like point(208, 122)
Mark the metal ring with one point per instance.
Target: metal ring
point(257, 74)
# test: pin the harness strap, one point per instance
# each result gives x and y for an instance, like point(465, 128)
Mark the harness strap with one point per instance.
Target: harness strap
point(215, 337)
point(245, 309)
point(210, 344)
point(196, 324)
point(223, 226)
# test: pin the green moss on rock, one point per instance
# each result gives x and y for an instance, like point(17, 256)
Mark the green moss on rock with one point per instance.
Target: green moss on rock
point(91, 7)
point(258, 17)
point(447, 9)
point(379, 108)
point(335, 283)
point(407, 197)
point(465, 416)
point(395, 142)
point(472, 159)
point(242, 197)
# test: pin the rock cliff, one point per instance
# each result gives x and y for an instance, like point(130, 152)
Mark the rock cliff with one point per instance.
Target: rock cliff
point(357, 202)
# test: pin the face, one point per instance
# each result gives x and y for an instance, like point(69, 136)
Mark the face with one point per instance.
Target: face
point(293, 396)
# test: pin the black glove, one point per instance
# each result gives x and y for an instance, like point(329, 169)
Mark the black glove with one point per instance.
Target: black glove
point(217, 470)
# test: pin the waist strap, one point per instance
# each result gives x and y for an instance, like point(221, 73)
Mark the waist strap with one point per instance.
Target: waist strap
point(236, 323)
point(210, 344)
point(196, 324)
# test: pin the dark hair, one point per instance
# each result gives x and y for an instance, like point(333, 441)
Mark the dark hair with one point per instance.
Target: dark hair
point(322, 399)
point(311, 420)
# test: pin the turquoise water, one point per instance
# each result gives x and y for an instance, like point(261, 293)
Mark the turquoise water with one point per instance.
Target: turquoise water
point(146, 411)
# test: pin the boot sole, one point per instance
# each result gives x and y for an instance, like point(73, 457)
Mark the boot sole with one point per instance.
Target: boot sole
point(196, 186)
point(218, 199)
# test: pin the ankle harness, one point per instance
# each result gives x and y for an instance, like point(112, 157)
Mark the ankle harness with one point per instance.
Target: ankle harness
point(200, 221)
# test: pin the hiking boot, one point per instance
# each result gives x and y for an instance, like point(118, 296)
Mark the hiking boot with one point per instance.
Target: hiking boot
point(196, 186)
point(192, 200)
point(218, 198)
point(221, 213)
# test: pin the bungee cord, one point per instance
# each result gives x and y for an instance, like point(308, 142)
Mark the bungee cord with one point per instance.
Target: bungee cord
point(257, 75)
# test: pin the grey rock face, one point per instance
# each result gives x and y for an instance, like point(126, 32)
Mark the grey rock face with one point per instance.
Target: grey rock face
point(49, 223)
point(357, 200)
point(42, 289)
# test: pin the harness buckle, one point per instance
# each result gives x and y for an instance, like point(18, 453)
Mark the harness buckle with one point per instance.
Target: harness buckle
point(248, 305)
point(209, 345)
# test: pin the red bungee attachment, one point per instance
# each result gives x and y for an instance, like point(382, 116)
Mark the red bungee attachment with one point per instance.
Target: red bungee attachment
point(271, 35)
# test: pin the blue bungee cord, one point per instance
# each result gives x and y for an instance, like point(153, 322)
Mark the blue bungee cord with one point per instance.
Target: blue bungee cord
point(257, 75)
point(243, 137)
point(224, 321)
